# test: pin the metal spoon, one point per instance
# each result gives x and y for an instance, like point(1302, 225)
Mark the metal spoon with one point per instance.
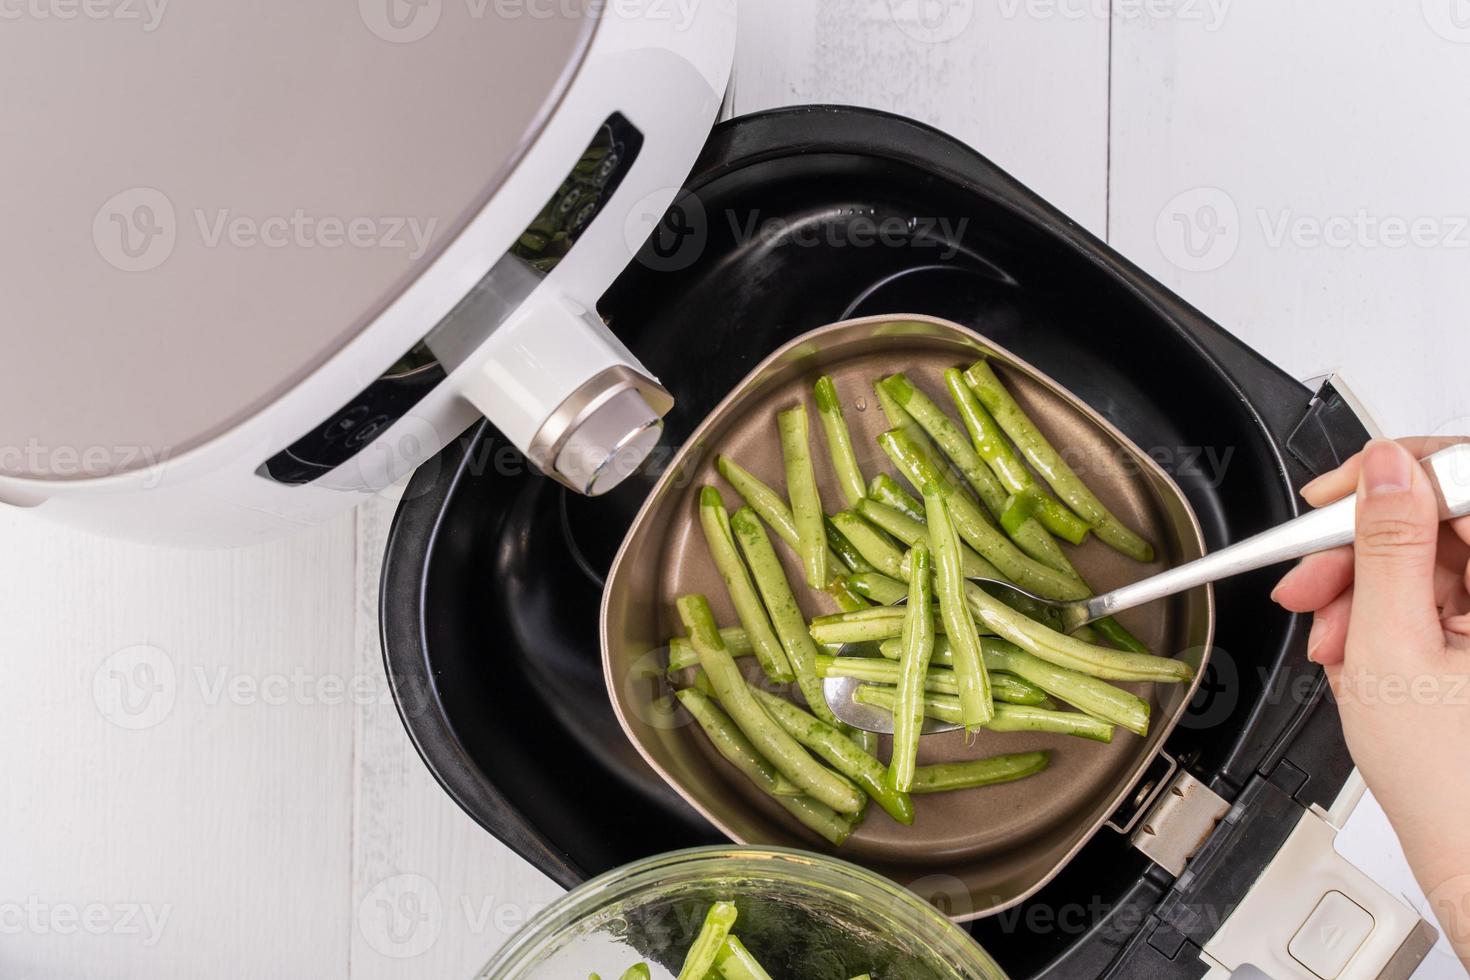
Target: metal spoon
point(1329, 527)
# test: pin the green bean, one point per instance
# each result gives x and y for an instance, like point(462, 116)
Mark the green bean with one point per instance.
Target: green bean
point(765, 501)
point(912, 532)
point(875, 548)
point(899, 418)
point(1096, 697)
point(865, 740)
point(1116, 634)
point(731, 743)
point(885, 489)
point(993, 447)
point(786, 615)
point(801, 487)
point(948, 776)
point(1008, 717)
point(735, 962)
point(1049, 463)
point(839, 752)
point(748, 608)
point(918, 644)
point(839, 441)
point(711, 939)
point(986, 539)
point(1040, 563)
point(907, 528)
point(769, 739)
point(1070, 652)
point(1028, 534)
point(938, 680)
point(975, 699)
point(1035, 546)
point(878, 587)
point(844, 550)
point(638, 971)
point(847, 598)
point(820, 818)
point(682, 655)
point(858, 627)
point(944, 433)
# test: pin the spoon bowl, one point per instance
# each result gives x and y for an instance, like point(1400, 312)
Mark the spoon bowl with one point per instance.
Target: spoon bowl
point(839, 694)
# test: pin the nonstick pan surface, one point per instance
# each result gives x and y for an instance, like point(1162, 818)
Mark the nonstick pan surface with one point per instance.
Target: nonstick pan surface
point(998, 843)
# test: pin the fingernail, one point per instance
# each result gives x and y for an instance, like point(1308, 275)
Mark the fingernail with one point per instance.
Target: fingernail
point(1282, 584)
point(1315, 638)
point(1386, 468)
point(1306, 491)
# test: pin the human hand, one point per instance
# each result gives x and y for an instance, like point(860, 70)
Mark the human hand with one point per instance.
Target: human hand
point(1391, 627)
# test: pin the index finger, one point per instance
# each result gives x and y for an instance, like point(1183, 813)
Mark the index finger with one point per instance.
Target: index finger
point(1330, 487)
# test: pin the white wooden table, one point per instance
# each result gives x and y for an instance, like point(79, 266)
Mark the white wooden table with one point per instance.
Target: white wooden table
point(1296, 170)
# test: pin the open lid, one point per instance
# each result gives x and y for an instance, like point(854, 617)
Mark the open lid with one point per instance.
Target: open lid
point(204, 201)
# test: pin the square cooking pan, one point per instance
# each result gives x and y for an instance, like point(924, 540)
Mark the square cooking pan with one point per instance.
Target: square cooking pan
point(493, 578)
point(990, 848)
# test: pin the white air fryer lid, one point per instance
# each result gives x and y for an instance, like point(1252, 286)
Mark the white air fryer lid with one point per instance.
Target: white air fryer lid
point(203, 201)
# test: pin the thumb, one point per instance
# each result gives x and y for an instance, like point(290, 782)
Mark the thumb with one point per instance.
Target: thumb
point(1397, 535)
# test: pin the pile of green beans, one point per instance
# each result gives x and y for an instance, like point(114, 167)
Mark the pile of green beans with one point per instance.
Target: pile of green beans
point(921, 638)
point(718, 954)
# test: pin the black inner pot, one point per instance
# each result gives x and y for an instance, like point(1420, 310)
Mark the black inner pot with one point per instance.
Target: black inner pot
point(795, 219)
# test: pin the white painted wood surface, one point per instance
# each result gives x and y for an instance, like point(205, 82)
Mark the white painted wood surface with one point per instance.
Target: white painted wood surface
point(264, 806)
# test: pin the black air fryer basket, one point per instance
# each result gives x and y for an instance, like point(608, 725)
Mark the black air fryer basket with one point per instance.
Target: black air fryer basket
point(494, 574)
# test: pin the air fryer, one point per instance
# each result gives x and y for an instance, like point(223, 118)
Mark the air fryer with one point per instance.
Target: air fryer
point(493, 574)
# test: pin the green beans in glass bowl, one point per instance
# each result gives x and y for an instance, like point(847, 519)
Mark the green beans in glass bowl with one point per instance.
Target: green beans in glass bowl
point(802, 916)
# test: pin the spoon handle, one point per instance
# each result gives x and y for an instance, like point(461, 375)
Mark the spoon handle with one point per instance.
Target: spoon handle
point(1328, 527)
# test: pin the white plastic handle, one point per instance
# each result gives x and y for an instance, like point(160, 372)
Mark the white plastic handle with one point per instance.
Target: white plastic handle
point(1312, 915)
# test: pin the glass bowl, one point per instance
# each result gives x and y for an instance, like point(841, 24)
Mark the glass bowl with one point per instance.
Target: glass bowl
point(804, 916)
